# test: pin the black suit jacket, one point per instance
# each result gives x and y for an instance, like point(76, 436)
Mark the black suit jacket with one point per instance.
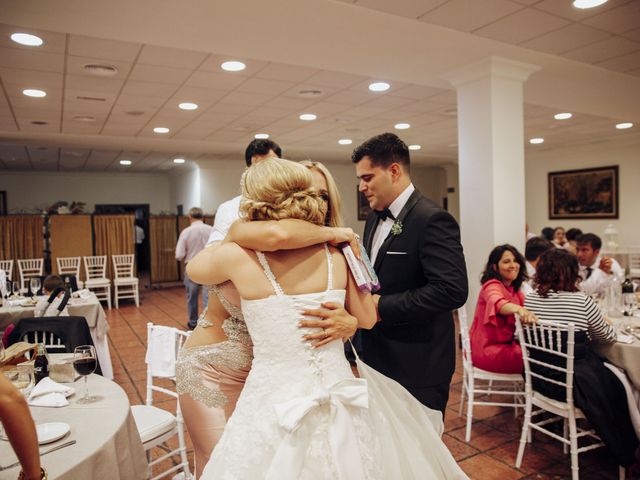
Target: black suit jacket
point(423, 278)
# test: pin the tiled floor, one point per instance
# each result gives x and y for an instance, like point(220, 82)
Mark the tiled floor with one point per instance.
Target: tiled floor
point(489, 455)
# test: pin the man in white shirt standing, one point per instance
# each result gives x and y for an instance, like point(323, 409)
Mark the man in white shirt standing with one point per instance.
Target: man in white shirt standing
point(193, 239)
point(227, 212)
point(597, 272)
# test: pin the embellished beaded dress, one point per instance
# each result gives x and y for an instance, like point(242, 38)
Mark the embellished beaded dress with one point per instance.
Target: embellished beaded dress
point(302, 414)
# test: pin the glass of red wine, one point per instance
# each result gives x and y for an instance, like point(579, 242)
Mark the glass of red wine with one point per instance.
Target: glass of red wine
point(85, 363)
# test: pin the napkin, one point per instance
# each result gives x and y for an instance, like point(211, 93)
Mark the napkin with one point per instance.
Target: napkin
point(161, 351)
point(48, 393)
point(624, 338)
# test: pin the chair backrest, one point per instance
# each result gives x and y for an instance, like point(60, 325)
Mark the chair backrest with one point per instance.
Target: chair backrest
point(7, 266)
point(52, 343)
point(634, 257)
point(548, 354)
point(30, 267)
point(68, 265)
point(167, 342)
point(464, 335)
point(122, 265)
point(95, 267)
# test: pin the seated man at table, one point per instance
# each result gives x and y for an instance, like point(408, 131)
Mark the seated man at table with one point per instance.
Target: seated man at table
point(597, 272)
point(47, 308)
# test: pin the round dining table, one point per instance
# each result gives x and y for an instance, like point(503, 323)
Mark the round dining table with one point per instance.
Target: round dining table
point(624, 355)
point(107, 444)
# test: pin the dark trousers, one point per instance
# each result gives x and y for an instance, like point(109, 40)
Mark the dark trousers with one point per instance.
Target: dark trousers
point(435, 396)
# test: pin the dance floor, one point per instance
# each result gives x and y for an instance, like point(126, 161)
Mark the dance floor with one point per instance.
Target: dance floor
point(489, 455)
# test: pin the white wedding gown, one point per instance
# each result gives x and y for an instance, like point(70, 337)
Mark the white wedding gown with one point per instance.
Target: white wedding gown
point(302, 414)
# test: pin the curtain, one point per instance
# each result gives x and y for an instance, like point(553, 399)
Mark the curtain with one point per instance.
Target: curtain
point(21, 237)
point(162, 240)
point(113, 235)
point(70, 237)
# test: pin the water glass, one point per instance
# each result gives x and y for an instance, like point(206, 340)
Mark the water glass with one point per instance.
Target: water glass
point(85, 362)
point(25, 381)
point(35, 285)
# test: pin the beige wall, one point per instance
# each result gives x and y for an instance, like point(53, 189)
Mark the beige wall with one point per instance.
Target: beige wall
point(31, 190)
point(599, 155)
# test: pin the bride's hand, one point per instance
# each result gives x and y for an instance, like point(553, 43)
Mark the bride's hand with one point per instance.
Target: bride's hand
point(335, 322)
point(346, 235)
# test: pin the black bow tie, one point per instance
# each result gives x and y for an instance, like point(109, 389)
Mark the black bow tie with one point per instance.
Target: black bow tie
point(384, 214)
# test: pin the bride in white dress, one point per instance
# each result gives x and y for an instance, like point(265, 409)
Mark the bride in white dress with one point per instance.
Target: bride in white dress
point(302, 414)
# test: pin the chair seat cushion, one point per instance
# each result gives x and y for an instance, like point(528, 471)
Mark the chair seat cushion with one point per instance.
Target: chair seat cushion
point(505, 377)
point(555, 406)
point(125, 281)
point(97, 282)
point(152, 421)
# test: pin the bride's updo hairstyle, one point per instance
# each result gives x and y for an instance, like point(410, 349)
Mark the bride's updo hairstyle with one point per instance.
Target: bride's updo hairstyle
point(275, 189)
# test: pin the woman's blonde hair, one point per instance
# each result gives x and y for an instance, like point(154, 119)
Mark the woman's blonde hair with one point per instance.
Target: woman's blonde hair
point(334, 217)
point(275, 189)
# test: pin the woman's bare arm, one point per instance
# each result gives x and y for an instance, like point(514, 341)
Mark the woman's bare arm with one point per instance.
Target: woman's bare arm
point(360, 304)
point(210, 266)
point(287, 234)
point(20, 428)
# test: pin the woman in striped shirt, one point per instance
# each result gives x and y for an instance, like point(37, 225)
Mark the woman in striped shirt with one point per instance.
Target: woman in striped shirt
point(597, 391)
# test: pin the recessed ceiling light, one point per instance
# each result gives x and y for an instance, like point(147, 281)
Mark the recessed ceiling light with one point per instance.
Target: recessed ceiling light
point(32, 92)
point(125, 162)
point(188, 106)
point(582, 4)
point(623, 126)
point(379, 86)
point(261, 136)
point(308, 116)
point(536, 141)
point(27, 39)
point(161, 130)
point(415, 147)
point(233, 66)
point(563, 116)
point(401, 126)
point(345, 141)
point(178, 160)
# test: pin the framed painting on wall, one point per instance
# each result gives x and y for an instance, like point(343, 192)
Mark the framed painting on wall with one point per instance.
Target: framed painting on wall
point(3, 202)
point(363, 205)
point(583, 194)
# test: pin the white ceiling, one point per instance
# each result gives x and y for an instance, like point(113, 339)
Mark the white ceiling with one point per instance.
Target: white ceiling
point(156, 74)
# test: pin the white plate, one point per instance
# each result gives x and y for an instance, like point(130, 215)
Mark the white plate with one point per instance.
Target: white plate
point(50, 432)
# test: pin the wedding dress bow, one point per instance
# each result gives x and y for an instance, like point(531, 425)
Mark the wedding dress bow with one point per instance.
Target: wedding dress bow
point(288, 460)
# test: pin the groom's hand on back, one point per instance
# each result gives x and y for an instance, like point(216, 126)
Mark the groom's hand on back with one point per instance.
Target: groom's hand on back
point(335, 322)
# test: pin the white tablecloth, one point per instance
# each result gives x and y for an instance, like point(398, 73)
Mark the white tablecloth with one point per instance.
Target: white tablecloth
point(89, 308)
point(624, 355)
point(108, 444)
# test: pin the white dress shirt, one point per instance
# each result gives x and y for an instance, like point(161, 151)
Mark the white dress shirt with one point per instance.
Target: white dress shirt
point(228, 212)
point(192, 239)
point(384, 227)
point(599, 280)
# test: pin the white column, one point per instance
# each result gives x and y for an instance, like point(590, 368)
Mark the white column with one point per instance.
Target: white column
point(491, 160)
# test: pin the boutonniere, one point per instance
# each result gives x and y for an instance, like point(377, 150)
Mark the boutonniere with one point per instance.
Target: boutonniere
point(396, 228)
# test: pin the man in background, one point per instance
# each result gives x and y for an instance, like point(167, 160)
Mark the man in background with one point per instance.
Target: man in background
point(597, 272)
point(193, 239)
point(535, 247)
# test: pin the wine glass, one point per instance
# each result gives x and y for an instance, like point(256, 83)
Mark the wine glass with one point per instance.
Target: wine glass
point(85, 363)
point(16, 289)
point(25, 381)
point(35, 285)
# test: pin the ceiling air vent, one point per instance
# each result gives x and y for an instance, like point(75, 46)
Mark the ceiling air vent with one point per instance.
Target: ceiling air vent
point(39, 122)
point(135, 113)
point(84, 118)
point(91, 99)
point(100, 69)
point(310, 93)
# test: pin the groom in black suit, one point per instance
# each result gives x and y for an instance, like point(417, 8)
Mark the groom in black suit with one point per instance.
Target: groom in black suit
point(415, 248)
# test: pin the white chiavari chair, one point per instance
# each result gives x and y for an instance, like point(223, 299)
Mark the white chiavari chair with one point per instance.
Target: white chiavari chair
point(69, 266)
point(28, 268)
point(95, 269)
point(125, 284)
